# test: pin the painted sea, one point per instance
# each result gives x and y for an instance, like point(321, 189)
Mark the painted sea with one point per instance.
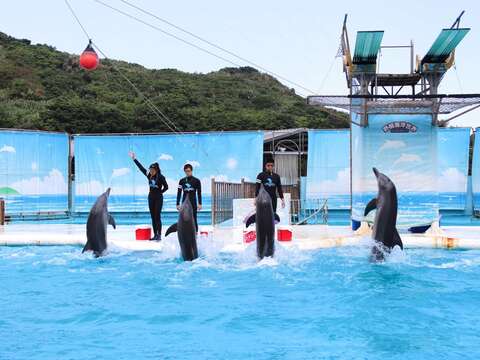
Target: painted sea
point(413, 207)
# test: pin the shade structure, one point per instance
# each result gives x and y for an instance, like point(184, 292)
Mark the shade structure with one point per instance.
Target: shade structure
point(444, 44)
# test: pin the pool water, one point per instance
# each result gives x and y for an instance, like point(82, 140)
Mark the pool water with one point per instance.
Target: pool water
point(56, 303)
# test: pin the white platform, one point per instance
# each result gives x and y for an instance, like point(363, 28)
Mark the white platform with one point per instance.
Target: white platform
point(305, 237)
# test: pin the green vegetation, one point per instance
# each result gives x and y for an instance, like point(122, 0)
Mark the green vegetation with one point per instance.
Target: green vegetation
point(8, 191)
point(42, 88)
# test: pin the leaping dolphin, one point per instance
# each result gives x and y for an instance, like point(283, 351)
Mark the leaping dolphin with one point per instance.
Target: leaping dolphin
point(384, 231)
point(187, 232)
point(97, 222)
point(264, 219)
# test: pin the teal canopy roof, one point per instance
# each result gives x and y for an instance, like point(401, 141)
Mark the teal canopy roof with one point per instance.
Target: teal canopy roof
point(443, 46)
point(367, 46)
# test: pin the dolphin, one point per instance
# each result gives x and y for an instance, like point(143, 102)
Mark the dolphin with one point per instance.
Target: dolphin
point(97, 222)
point(187, 232)
point(384, 231)
point(264, 219)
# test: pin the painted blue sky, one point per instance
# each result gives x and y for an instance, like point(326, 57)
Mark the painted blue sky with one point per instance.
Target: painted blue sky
point(401, 156)
point(414, 163)
point(34, 162)
point(296, 39)
point(328, 163)
point(103, 161)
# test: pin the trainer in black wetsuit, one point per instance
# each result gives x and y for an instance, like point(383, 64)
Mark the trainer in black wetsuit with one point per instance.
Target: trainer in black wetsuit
point(271, 182)
point(158, 185)
point(191, 187)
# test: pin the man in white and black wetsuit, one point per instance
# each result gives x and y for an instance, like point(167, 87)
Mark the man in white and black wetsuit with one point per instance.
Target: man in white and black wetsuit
point(191, 187)
point(272, 184)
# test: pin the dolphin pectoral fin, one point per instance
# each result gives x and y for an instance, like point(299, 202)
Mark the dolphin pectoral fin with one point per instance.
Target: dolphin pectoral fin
point(277, 218)
point(250, 220)
point(111, 221)
point(87, 247)
point(372, 204)
point(397, 240)
point(171, 229)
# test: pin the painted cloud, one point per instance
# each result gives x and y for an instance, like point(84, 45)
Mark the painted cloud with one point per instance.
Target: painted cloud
point(7, 148)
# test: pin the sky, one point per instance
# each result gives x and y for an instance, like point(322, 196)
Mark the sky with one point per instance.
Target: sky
point(296, 39)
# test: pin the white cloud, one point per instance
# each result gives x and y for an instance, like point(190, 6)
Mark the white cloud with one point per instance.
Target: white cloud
point(392, 144)
point(52, 184)
point(341, 184)
point(452, 180)
point(194, 163)
point(405, 181)
point(232, 163)
point(93, 187)
point(7, 148)
point(407, 158)
point(165, 157)
point(34, 166)
point(120, 172)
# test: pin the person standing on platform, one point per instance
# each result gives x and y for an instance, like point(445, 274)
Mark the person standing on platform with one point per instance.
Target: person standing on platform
point(271, 182)
point(158, 185)
point(192, 187)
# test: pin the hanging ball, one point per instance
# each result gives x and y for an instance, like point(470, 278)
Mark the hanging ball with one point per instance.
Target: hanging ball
point(89, 58)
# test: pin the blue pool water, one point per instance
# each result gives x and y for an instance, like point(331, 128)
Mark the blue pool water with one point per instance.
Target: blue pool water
point(330, 304)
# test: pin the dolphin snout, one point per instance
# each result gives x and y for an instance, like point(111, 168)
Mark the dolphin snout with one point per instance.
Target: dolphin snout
point(376, 172)
point(108, 191)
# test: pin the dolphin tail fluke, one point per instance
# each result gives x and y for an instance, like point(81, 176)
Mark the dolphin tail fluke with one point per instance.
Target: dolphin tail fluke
point(251, 220)
point(397, 240)
point(171, 229)
point(372, 204)
point(111, 221)
point(277, 218)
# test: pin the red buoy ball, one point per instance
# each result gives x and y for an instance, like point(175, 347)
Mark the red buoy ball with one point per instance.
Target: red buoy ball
point(89, 58)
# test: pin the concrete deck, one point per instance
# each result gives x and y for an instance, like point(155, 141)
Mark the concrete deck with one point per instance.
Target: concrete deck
point(306, 237)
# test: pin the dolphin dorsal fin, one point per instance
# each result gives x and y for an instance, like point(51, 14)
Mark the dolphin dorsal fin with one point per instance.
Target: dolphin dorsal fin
point(251, 220)
point(171, 229)
point(111, 221)
point(372, 204)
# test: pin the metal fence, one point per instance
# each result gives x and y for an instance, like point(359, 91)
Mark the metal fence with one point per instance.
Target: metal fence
point(223, 194)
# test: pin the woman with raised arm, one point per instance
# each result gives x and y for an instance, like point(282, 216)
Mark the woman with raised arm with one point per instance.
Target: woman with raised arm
point(158, 185)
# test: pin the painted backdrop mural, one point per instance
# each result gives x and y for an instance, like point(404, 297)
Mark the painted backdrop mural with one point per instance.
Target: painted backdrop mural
point(328, 167)
point(404, 147)
point(103, 161)
point(476, 170)
point(33, 171)
point(453, 146)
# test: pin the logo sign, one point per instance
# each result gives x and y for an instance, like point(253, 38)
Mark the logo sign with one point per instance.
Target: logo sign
point(399, 127)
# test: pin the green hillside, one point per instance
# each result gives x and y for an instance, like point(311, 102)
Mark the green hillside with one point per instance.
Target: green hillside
point(42, 88)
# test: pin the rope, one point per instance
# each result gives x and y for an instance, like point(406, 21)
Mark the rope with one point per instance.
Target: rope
point(214, 45)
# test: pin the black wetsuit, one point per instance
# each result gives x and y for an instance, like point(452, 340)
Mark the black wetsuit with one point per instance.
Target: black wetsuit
point(271, 182)
point(158, 185)
point(191, 187)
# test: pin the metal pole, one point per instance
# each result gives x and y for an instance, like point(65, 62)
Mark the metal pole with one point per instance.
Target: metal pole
point(70, 174)
point(411, 56)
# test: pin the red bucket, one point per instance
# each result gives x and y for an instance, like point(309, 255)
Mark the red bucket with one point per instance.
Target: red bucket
point(284, 234)
point(249, 236)
point(143, 233)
